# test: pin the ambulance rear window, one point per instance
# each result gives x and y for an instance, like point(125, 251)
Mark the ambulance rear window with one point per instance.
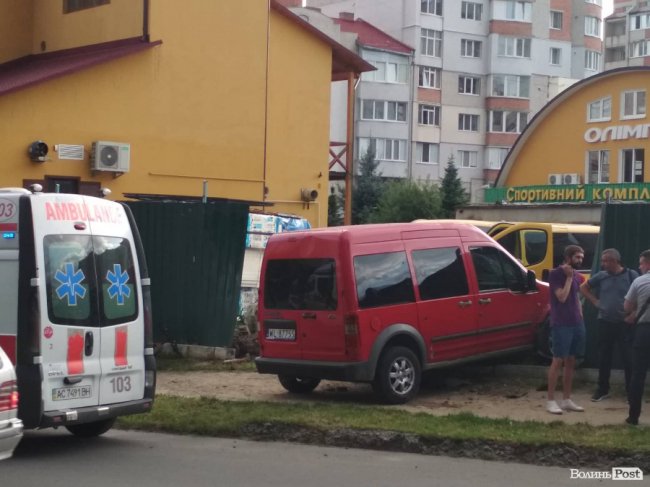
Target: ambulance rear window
point(87, 273)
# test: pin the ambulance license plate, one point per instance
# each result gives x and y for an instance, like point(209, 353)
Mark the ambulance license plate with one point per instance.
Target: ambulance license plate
point(68, 393)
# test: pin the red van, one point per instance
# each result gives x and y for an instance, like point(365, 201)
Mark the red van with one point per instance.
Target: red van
point(382, 303)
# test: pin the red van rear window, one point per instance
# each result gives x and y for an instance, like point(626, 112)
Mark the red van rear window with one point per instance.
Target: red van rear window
point(300, 284)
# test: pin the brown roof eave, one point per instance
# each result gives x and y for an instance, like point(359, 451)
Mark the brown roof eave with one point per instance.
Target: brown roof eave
point(344, 61)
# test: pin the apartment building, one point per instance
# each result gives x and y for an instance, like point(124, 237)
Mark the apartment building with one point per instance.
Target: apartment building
point(626, 34)
point(480, 71)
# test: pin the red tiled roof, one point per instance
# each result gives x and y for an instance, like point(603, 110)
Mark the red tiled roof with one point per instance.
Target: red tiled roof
point(371, 36)
point(33, 69)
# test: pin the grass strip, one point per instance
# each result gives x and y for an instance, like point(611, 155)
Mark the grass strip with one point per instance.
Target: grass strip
point(182, 364)
point(213, 417)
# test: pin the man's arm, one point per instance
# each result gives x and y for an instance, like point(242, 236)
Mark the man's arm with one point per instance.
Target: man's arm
point(629, 310)
point(585, 289)
point(562, 293)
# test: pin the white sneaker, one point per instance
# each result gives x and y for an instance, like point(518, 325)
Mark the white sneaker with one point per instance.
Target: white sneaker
point(569, 405)
point(553, 408)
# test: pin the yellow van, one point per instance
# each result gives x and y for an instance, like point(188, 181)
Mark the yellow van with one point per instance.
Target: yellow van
point(540, 246)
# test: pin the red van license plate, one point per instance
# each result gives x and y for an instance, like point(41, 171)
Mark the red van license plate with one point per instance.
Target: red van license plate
point(280, 334)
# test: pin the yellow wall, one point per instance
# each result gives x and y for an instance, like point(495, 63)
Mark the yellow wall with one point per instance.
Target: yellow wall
point(192, 109)
point(299, 110)
point(16, 26)
point(557, 145)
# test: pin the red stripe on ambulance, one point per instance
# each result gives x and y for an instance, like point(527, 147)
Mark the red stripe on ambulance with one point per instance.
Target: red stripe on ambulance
point(75, 359)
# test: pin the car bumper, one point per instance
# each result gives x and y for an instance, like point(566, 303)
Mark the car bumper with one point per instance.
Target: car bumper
point(9, 437)
point(94, 413)
point(345, 371)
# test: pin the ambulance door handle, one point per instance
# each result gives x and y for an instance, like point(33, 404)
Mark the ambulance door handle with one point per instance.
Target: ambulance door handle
point(89, 343)
point(72, 380)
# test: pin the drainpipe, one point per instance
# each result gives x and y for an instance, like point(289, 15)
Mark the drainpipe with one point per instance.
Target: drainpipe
point(145, 20)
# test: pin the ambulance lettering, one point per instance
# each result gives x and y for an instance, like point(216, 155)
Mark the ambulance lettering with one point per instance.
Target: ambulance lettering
point(61, 211)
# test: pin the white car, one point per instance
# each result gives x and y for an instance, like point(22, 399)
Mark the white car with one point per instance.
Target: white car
point(11, 428)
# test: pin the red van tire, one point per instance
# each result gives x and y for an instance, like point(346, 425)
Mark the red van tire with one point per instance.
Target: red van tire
point(298, 385)
point(90, 430)
point(398, 375)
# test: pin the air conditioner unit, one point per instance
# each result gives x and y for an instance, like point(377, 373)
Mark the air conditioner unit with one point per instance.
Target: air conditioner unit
point(571, 179)
point(110, 156)
point(555, 179)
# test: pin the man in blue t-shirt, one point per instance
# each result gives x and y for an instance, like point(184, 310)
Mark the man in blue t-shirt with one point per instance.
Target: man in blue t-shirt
point(567, 327)
point(606, 291)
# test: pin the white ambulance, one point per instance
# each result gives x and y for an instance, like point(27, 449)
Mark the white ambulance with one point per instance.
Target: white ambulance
point(76, 312)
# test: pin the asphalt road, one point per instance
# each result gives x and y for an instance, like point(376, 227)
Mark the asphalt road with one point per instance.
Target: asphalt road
point(124, 458)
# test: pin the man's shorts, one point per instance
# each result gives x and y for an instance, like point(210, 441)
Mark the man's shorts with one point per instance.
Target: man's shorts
point(568, 341)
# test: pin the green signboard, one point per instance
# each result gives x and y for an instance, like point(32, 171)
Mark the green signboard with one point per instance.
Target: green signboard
point(570, 193)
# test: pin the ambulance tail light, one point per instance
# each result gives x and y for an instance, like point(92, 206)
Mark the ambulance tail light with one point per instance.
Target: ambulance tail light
point(8, 396)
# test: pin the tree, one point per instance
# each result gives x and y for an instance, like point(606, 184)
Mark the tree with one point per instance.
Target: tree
point(367, 188)
point(334, 209)
point(405, 201)
point(453, 194)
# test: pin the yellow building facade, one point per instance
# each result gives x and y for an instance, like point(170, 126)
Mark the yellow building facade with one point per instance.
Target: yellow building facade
point(591, 143)
point(186, 92)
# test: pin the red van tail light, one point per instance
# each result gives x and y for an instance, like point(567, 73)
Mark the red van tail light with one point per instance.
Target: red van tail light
point(351, 331)
point(8, 396)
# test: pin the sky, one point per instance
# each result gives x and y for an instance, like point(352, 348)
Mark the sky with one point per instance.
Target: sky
point(608, 7)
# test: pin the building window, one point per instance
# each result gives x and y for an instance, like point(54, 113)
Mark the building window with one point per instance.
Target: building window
point(431, 7)
point(429, 115)
point(384, 149)
point(592, 60)
point(640, 21)
point(514, 47)
point(555, 56)
point(600, 110)
point(633, 104)
point(592, 26)
point(431, 42)
point(640, 48)
point(511, 86)
point(471, 10)
point(469, 48)
point(427, 153)
point(614, 28)
point(467, 122)
point(613, 54)
point(392, 111)
point(517, 10)
point(556, 19)
point(75, 5)
point(598, 166)
point(429, 77)
point(633, 165)
point(469, 85)
point(467, 158)
point(502, 121)
point(496, 156)
point(595, 2)
point(387, 72)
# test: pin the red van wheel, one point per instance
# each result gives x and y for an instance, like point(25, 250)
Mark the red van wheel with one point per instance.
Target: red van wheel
point(90, 430)
point(298, 385)
point(398, 375)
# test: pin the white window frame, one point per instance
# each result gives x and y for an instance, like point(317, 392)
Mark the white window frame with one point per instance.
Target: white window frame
point(467, 159)
point(431, 7)
point(468, 122)
point(496, 156)
point(592, 60)
point(602, 169)
point(426, 74)
point(380, 146)
point(518, 47)
point(381, 75)
point(552, 51)
point(383, 106)
point(603, 108)
point(639, 111)
point(521, 120)
point(469, 85)
point(636, 169)
point(471, 10)
point(429, 115)
point(639, 21)
point(510, 82)
point(595, 2)
point(640, 48)
point(554, 15)
point(427, 153)
point(431, 42)
point(470, 48)
point(518, 11)
point(592, 26)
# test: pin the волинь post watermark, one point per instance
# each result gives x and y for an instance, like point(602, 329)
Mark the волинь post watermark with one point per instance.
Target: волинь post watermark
point(617, 473)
